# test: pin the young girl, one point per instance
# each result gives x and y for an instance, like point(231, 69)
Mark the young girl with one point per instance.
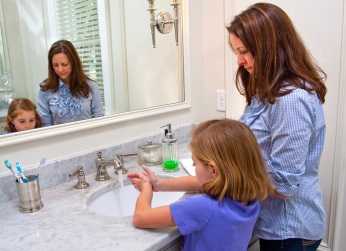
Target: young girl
point(22, 115)
point(231, 174)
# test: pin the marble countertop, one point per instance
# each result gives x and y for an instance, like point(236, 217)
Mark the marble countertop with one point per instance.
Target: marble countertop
point(64, 223)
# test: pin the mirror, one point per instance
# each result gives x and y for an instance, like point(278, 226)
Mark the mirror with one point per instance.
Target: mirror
point(114, 41)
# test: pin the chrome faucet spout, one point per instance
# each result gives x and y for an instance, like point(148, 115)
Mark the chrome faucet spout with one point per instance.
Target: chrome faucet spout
point(117, 162)
point(120, 163)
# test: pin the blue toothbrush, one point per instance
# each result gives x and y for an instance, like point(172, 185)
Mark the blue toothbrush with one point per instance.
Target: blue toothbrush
point(9, 166)
point(20, 170)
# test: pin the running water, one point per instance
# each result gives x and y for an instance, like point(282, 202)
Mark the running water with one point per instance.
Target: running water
point(121, 178)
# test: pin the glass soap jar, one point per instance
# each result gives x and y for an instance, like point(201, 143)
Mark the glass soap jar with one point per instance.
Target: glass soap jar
point(150, 154)
point(169, 150)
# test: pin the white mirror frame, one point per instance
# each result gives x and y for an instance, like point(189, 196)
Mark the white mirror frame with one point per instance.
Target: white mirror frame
point(51, 131)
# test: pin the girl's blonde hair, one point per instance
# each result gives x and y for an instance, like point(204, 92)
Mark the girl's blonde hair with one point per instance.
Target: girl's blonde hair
point(20, 104)
point(232, 148)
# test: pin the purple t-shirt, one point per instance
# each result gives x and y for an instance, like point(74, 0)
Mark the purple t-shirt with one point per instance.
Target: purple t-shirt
point(208, 224)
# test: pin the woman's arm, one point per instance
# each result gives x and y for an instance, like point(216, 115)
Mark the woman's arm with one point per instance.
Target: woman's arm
point(292, 124)
point(96, 105)
point(43, 109)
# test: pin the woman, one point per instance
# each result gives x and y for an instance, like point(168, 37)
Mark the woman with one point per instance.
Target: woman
point(284, 91)
point(68, 94)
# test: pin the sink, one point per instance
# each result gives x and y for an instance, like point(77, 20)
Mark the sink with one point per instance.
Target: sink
point(121, 201)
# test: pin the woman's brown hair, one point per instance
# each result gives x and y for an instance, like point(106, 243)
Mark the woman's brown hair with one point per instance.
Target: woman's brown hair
point(280, 57)
point(232, 148)
point(77, 81)
point(20, 104)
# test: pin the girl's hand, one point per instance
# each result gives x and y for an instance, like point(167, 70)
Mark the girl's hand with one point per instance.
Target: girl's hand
point(138, 180)
point(147, 176)
point(153, 179)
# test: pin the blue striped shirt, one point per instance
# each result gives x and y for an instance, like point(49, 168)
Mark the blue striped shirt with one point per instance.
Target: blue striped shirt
point(62, 107)
point(291, 135)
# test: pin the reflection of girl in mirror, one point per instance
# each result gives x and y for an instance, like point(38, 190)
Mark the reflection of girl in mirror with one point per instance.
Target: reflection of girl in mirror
point(21, 116)
point(67, 94)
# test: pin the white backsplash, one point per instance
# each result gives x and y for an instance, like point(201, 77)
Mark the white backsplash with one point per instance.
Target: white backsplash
point(55, 172)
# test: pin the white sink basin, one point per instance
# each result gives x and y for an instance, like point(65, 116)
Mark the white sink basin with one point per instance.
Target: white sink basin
point(120, 202)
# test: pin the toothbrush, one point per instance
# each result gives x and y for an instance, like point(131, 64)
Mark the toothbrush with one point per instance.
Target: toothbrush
point(20, 170)
point(9, 166)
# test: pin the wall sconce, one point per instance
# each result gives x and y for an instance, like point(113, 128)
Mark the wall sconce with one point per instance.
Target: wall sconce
point(164, 21)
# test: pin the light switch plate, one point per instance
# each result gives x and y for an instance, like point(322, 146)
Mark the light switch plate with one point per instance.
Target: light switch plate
point(220, 100)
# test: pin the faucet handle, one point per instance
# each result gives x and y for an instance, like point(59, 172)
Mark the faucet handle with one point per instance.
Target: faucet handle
point(81, 183)
point(99, 155)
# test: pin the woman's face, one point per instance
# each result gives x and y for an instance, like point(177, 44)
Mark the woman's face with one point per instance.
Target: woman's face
point(244, 56)
point(203, 173)
point(62, 66)
point(24, 120)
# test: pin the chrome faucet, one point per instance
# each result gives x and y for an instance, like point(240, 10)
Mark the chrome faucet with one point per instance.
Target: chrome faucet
point(117, 162)
point(81, 184)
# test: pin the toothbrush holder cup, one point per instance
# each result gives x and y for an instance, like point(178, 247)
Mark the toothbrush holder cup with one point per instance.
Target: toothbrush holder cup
point(29, 195)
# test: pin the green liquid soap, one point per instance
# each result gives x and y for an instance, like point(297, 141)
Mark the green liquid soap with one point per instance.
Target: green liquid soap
point(171, 165)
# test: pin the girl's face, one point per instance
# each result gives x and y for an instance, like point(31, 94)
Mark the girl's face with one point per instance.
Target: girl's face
point(204, 173)
point(25, 120)
point(244, 56)
point(62, 66)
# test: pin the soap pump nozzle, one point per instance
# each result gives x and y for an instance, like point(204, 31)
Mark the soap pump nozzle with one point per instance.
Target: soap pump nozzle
point(168, 133)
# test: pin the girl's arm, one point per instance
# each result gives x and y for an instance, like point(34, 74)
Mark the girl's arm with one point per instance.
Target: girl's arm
point(185, 183)
point(145, 216)
point(43, 109)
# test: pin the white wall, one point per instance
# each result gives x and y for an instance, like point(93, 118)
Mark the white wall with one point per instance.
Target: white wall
point(32, 35)
point(207, 74)
point(320, 26)
point(339, 198)
point(23, 21)
point(148, 87)
point(339, 177)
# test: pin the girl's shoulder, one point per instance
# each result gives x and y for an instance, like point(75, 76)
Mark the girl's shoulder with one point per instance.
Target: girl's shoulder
point(198, 200)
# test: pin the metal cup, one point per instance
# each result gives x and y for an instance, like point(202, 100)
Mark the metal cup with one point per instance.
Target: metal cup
point(29, 195)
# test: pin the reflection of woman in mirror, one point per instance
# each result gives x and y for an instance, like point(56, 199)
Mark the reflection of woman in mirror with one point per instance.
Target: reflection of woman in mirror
point(67, 94)
point(22, 115)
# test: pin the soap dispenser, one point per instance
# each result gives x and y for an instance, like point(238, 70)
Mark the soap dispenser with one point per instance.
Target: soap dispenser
point(169, 150)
